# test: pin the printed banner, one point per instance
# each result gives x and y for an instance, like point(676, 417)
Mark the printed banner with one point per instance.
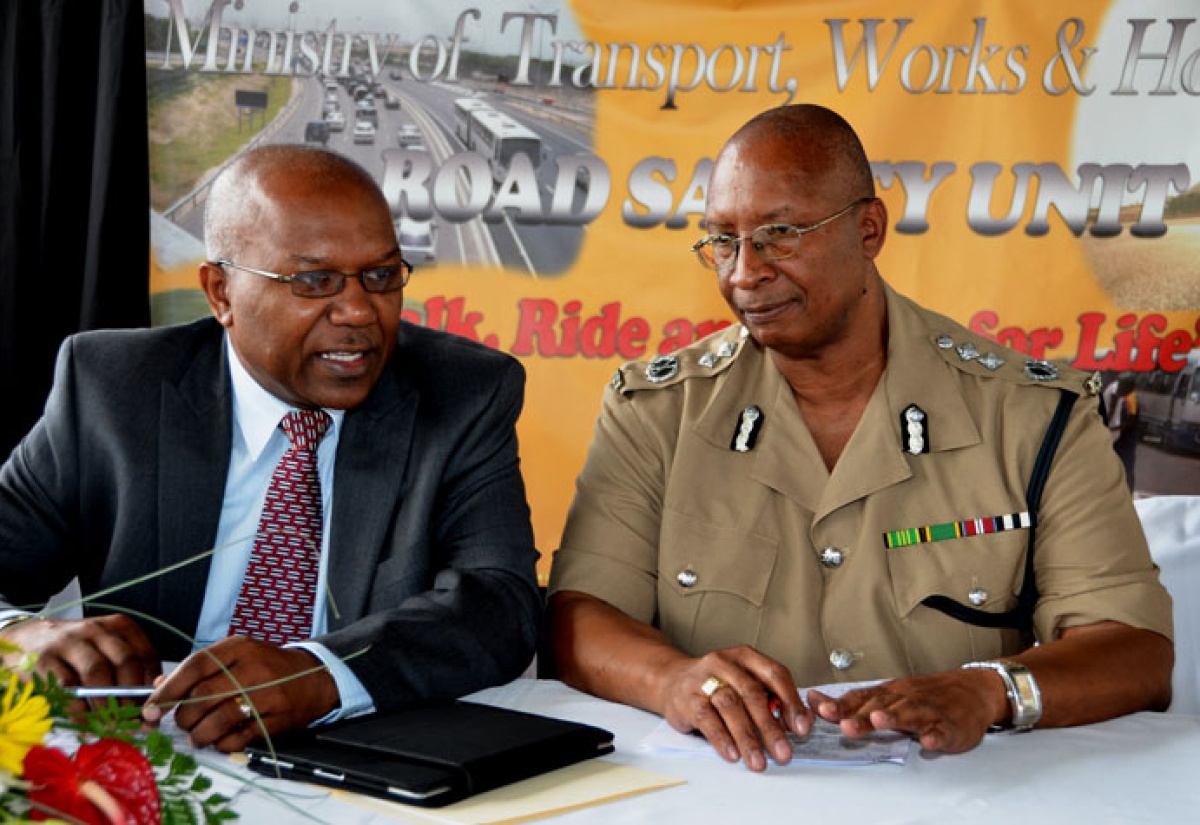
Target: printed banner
point(546, 164)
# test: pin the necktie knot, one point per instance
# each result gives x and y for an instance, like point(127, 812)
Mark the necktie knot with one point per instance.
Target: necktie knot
point(305, 428)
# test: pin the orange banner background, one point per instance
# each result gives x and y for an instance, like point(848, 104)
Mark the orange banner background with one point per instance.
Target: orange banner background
point(1045, 98)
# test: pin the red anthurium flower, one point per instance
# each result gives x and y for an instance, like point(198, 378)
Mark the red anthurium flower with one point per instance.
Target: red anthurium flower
point(109, 782)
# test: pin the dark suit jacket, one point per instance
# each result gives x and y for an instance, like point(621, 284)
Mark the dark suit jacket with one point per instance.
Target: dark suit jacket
point(432, 562)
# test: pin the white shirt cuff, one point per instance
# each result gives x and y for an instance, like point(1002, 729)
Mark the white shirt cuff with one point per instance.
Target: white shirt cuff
point(355, 700)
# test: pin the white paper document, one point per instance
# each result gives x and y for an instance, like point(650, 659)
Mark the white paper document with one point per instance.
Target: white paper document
point(824, 745)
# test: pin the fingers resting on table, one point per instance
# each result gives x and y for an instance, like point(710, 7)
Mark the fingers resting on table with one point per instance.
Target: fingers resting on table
point(743, 702)
point(948, 711)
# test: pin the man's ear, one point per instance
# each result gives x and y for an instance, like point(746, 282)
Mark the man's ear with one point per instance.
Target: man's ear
point(215, 283)
point(872, 224)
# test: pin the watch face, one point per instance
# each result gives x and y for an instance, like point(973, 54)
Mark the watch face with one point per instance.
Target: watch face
point(1023, 695)
point(1027, 701)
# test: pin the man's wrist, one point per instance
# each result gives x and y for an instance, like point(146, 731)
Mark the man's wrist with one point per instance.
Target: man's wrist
point(1021, 689)
point(9, 621)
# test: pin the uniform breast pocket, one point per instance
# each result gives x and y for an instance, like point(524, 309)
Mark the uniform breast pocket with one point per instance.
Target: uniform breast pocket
point(712, 583)
point(983, 571)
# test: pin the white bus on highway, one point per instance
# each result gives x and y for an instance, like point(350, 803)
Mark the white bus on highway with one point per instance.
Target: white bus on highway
point(1168, 405)
point(494, 135)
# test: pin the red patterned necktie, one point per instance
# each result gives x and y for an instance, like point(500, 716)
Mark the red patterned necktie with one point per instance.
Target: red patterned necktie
point(276, 600)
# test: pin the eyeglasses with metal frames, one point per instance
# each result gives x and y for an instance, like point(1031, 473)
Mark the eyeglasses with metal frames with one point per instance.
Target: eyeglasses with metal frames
point(322, 283)
point(772, 242)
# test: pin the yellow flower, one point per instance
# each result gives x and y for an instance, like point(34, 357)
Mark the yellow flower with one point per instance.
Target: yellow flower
point(24, 722)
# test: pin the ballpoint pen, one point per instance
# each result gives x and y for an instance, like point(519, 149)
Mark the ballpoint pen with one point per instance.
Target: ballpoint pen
point(132, 692)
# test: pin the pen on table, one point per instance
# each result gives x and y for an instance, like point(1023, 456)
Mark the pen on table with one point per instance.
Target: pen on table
point(137, 692)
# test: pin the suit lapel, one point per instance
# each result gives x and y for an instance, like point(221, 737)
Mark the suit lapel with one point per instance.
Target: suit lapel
point(371, 460)
point(195, 434)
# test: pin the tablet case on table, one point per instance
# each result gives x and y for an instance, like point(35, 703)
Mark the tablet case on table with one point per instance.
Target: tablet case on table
point(432, 754)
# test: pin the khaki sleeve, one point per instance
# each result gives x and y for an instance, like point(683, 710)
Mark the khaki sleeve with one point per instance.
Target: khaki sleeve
point(1091, 556)
point(610, 543)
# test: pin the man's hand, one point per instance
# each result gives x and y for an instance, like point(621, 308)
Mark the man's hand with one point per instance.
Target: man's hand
point(212, 708)
point(948, 711)
point(754, 707)
point(601, 650)
point(96, 652)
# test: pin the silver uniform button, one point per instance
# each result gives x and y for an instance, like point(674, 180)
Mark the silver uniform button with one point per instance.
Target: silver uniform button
point(841, 659)
point(687, 577)
point(832, 557)
point(945, 341)
point(978, 597)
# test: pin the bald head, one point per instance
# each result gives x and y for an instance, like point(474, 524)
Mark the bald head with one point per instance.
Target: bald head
point(241, 193)
point(820, 145)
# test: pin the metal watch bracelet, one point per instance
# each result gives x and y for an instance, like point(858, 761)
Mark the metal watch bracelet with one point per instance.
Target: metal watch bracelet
point(1023, 695)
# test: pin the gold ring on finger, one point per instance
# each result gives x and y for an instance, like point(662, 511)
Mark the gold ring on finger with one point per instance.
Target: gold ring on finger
point(711, 685)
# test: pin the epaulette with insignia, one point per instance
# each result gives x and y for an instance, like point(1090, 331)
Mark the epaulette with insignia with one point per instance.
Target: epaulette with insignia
point(707, 357)
point(979, 356)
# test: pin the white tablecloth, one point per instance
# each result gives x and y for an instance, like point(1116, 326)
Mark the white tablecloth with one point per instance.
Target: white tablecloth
point(1143, 768)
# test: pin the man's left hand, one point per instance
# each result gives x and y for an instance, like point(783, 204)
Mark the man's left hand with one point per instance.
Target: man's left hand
point(948, 711)
point(212, 708)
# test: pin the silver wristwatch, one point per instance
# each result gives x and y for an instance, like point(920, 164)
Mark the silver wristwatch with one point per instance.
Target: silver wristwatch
point(1023, 694)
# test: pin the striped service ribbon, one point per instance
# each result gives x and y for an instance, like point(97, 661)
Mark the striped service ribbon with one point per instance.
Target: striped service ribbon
point(956, 530)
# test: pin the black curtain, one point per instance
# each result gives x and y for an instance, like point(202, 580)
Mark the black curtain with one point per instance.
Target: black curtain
point(74, 187)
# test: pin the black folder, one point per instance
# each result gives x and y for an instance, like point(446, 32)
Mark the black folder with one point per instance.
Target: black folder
point(431, 754)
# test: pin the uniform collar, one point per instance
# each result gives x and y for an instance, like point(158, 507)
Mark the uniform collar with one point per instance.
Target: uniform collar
point(785, 456)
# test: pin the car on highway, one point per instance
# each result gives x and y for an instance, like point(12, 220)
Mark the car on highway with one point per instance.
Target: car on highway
point(408, 134)
point(391, 101)
point(418, 240)
point(366, 111)
point(336, 120)
point(364, 131)
point(316, 131)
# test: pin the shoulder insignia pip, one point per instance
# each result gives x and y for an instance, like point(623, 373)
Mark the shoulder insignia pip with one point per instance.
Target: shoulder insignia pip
point(705, 358)
point(979, 356)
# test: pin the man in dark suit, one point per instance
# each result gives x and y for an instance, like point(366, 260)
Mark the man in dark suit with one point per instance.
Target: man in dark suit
point(158, 445)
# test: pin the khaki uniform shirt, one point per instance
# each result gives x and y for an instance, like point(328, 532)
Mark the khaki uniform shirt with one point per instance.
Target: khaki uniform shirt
point(720, 547)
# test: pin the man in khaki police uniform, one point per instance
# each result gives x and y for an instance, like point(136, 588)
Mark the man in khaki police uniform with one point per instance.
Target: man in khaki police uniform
point(839, 489)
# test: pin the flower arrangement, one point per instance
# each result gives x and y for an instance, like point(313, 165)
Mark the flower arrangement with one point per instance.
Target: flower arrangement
point(102, 767)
